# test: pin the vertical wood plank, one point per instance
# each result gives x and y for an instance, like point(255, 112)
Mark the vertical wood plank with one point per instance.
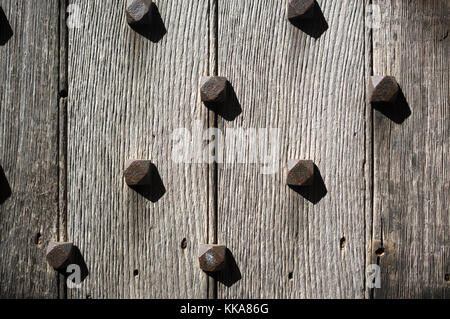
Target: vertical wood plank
point(411, 202)
point(314, 92)
point(126, 97)
point(29, 148)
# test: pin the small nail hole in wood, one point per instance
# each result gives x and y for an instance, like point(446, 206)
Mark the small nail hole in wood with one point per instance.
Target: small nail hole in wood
point(343, 243)
point(136, 273)
point(63, 94)
point(380, 252)
point(184, 243)
point(291, 275)
point(37, 239)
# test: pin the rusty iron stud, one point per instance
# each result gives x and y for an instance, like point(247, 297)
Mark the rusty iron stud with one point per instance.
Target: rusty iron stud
point(301, 174)
point(214, 89)
point(139, 172)
point(138, 12)
point(383, 89)
point(59, 254)
point(212, 258)
point(300, 9)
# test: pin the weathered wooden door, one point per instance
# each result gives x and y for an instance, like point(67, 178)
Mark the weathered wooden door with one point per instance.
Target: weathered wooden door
point(81, 93)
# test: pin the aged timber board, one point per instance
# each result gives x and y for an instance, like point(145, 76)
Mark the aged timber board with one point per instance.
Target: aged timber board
point(314, 92)
point(29, 60)
point(411, 181)
point(127, 95)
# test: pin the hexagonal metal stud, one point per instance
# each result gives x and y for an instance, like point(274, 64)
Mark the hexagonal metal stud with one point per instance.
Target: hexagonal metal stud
point(212, 258)
point(138, 12)
point(59, 254)
point(214, 89)
point(383, 89)
point(300, 9)
point(139, 172)
point(301, 174)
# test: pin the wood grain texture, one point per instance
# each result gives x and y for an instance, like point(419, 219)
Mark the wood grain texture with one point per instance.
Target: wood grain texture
point(126, 97)
point(29, 148)
point(411, 200)
point(63, 157)
point(314, 92)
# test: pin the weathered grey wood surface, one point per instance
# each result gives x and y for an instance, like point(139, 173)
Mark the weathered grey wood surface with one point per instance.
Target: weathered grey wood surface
point(29, 148)
point(126, 96)
point(314, 92)
point(387, 184)
point(411, 198)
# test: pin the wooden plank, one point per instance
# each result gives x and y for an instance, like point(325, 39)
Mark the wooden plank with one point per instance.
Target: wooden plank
point(29, 148)
point(411, 201)
point(314, 92)
point(126, 97)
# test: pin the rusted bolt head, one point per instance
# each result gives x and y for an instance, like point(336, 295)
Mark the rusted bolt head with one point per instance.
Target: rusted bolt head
point(212, 258)
point(214, 89)
point(138, 12)
point(300, 9)
point(302, 174)
point(59, 254)
point(383, 89)
point(139, 172)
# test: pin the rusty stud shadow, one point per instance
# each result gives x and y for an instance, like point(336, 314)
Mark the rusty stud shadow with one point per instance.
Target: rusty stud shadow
point(143, 177)
point(219, 96)
point(61, 255)
point(6, 31)
point(307, 16)
point(5, 189)
point(218, 262)
point(386, 96)
point(144, 18)
point(305, 179)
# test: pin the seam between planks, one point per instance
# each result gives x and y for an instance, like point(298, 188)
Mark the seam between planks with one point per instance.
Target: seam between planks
point(213, 189)
point(372, 158)
point(62, 134)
